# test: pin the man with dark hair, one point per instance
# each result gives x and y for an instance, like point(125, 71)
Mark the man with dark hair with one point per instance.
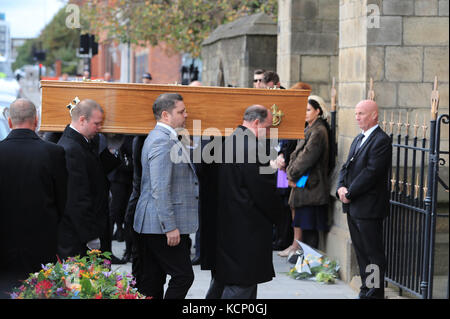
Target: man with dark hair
point(258, 77)
point(271, 80)
point(146, 78)
point(247, 209)
point(33, 183)
point(167, 209)
point(85, 223)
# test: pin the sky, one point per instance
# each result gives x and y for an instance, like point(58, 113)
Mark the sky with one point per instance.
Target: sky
point(27, 18)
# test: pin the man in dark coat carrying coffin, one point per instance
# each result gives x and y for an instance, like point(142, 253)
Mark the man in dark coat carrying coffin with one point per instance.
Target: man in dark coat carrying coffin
point(247, 209)
point(84, 224)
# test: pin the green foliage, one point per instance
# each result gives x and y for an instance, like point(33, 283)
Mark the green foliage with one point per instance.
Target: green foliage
point(320, 269)
point(24, 54)
point(182, 24)
point(59, 41)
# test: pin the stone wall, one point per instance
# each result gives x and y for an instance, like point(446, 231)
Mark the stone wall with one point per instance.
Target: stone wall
point(413, 43)
point(401, 45)
point(308, 43)
point(233, 51)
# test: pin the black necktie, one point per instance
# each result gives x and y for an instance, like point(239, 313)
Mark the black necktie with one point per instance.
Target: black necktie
point(358, 141)
point(357, 144)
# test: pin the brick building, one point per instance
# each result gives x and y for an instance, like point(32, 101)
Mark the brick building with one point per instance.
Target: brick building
point(128, 63)
point(113, 58)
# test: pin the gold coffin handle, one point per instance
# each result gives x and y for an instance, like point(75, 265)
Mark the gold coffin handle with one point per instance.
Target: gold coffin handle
point(276, 115)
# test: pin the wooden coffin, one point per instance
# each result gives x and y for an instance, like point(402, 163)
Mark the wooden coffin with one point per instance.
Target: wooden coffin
point(128, 107)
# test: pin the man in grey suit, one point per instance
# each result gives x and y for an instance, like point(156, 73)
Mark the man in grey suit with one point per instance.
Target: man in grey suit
point(167, 209)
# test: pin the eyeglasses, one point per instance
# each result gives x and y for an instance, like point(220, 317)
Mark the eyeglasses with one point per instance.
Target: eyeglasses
point(257, 80)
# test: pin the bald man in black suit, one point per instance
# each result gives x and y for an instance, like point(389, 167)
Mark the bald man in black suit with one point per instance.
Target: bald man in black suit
point(363, 190)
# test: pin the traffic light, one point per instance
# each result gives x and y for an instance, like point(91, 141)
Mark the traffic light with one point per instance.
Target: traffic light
point(84, 44)
point(88, 41)
point(93, 45)
point(39, 56)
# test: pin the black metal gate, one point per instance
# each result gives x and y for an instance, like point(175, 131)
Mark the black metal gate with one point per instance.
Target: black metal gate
point(409, 231)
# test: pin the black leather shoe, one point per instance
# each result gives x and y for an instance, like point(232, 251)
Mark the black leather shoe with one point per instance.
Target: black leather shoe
point(126, 257)
point(195, 261)
point(119, 235)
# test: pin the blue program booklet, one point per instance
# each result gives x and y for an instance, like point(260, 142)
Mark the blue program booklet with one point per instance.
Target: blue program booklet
point(302, 181)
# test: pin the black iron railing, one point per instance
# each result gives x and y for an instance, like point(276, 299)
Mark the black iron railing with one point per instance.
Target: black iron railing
point(409, 231)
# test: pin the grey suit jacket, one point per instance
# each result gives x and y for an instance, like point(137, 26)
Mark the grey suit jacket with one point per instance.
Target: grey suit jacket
point(169, 187)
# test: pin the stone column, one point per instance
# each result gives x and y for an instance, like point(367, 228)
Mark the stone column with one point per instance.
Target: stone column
point(308, 43)
point(233, 51)
point(401, 45)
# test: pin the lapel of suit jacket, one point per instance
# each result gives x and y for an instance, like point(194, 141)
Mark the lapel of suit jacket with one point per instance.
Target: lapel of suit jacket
point(186, 157)
point(351, 153)
point(78, 138)
point(367, 142)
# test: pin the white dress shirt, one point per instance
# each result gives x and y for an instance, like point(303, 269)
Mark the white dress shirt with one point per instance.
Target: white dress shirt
point(367, 134)
point(170, 128)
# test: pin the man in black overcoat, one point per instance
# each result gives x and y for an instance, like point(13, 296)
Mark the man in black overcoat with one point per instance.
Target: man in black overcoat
point(248, 206)
point(33, 182)
point(85, 221)
point(364, 191)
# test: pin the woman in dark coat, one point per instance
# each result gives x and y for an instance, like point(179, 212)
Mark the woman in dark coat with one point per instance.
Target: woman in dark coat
point(311, 157)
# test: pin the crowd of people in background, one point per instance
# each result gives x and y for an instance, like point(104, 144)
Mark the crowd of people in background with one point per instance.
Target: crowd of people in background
point(80, 190)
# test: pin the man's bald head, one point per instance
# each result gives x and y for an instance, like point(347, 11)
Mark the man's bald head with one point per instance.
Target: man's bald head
point(22, 114)
point(366, 113)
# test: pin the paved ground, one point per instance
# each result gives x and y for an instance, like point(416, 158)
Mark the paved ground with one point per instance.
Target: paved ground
point(281, 287)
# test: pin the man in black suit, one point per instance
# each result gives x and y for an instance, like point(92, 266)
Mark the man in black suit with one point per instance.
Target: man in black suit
point(247, 209)
point(363, 190)
point(85, 223)
point(33, 182)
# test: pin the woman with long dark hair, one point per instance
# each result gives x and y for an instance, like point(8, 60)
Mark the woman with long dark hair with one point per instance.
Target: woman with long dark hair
point(311, 161)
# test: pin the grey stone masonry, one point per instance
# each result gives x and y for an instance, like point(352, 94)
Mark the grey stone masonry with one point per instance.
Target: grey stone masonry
point(233, 51)
point(398, 7)
point(308, 43)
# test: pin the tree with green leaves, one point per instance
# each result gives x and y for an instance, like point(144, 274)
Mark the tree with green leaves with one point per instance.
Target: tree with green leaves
point(181, 24)
point(59, 42)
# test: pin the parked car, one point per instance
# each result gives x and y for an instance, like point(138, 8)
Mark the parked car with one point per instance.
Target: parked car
point(8, 84)
point(19, 73)
point(5, 102)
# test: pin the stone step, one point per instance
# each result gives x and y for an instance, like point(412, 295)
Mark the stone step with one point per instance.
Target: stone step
point(442, 223)
point(440, 286)
point(439, 290)
point(441, 249)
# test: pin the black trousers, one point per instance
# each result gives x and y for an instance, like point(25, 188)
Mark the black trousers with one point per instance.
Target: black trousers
point(367, 239)
point(157, 260)
point(218, 290)
point(283, 230)
point(119, 200)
